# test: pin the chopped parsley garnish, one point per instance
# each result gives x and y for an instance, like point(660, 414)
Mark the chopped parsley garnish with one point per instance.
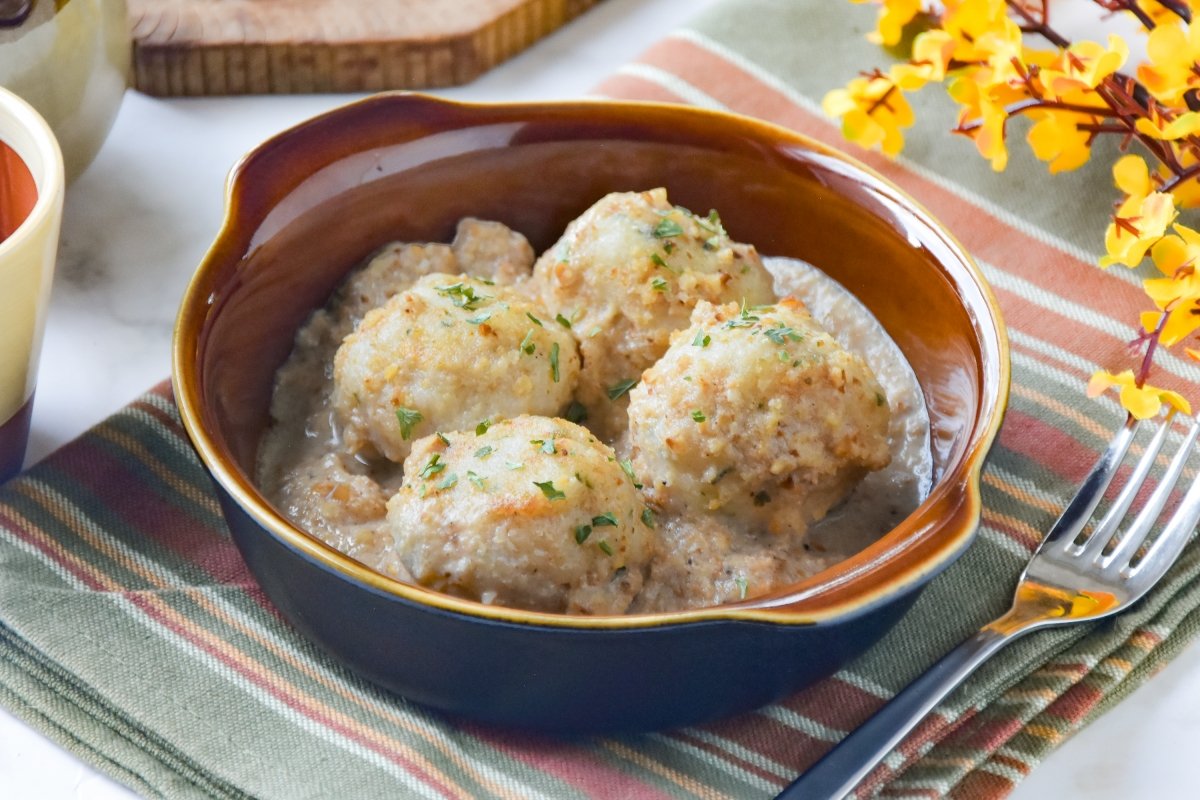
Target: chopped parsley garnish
point(605, 520)
point(442, 436)
point(475, 479)
point(484, 451)
point(647, 518)
point(668, 247)
point(549, 491)
point(527, 346)
point(433, 467)
point(448, 481)
point(561, 320)
point(660, 262)
point(784, 356)
point(545, 445)
point(744, 319)
point(536, 321)
point(627, 467)
point(621, 387)
point(482, 318)
point(698, 415)
point(408, 418)
point(781, 334)
point(576, 412)
point(514, 465)
point(582, 532)
point(658, 285)
point(605, 546)
point(666, 228)
point(880, 399)
point(702, 339)
point(482, 427)
point(463, 296)
point(554, 361)
point(742, 585)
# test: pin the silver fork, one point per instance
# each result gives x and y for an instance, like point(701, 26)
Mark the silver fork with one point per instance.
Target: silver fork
point(1074, 576)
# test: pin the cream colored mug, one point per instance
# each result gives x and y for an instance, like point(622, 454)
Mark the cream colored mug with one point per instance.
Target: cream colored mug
point(31, 201)
point(70, 60)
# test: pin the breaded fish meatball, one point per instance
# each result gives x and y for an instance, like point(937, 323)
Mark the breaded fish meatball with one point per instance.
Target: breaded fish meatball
point(492, 250)
point(531, 512)
point(443, 355)
point(758, 413)
point(626, 274)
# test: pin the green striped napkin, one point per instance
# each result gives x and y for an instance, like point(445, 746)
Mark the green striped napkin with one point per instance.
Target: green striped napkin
point(131, 633)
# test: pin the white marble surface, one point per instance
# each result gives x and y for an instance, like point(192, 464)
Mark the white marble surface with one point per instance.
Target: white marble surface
point(138, 222)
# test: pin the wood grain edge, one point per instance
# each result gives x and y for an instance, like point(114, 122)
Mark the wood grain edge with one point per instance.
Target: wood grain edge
point(307, 67)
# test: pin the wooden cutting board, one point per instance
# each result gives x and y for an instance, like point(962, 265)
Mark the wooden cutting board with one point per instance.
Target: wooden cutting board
point(218, 47)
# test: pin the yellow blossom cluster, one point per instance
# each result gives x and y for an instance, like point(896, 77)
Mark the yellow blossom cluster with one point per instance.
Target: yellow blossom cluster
point(1002, 58)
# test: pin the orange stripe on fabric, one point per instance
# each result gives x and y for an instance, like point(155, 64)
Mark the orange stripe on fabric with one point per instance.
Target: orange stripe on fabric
point(979, 785)
point(260, 675)
point(658, 768)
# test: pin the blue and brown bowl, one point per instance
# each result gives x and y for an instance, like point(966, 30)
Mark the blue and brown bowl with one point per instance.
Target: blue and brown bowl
point(311, 203)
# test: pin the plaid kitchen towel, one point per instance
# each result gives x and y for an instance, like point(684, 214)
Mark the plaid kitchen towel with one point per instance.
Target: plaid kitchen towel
point(131, 633)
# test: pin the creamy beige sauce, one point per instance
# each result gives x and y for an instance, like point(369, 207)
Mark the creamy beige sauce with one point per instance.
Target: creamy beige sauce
point(341, 498)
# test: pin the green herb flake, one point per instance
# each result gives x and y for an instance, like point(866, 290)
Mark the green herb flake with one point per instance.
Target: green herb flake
point(561, 320)
point(545, 445)
point(658, 261)
point(742, 585)
point(605, 547)
point(549, 491)
point(448, 481)
point(621, 387)
point(484, 451)
point(582, 532)
point(880, 399)
point(576, 412)
point(583, 480)
point(605, 520)
point(514, 465)
point(698, 415)
point(668, 247)
point(527, 346)
point(658, 285)
point(463, 296)
point(442, 436)
point(667, 228)
point(784, 356)
point(482, 427)
point(536, 321)
point(781, 334)
point(702, 339)
point(480, 319)
point(432, 467)
point(474, 478)
point(627, 467)
point(648, 518)
point(554, 361)
point(408, 418)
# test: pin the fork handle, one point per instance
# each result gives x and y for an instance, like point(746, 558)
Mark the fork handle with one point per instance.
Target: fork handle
point(843, 767)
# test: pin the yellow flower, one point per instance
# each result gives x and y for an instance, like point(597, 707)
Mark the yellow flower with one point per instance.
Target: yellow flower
point(1172, 52)
point(1178, 294)
point(1132, 176)
point(893, 16)
point(1138, 224)
point(872, 110)
point(1055, 137)
point(984, 115)
point(931, 55)
point(1084, 65)
point(1141, 401)
point(1156, 126)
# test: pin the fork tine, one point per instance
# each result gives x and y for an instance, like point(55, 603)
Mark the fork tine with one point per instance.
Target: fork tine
point(1175, 535)
point(1135, 534)
point(1103, 531)
point(1080, 509)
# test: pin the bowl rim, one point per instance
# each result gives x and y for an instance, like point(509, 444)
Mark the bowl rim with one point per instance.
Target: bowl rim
point(801, 606)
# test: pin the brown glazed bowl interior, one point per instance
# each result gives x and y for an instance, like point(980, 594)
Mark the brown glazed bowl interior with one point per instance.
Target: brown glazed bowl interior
point(310, 204)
